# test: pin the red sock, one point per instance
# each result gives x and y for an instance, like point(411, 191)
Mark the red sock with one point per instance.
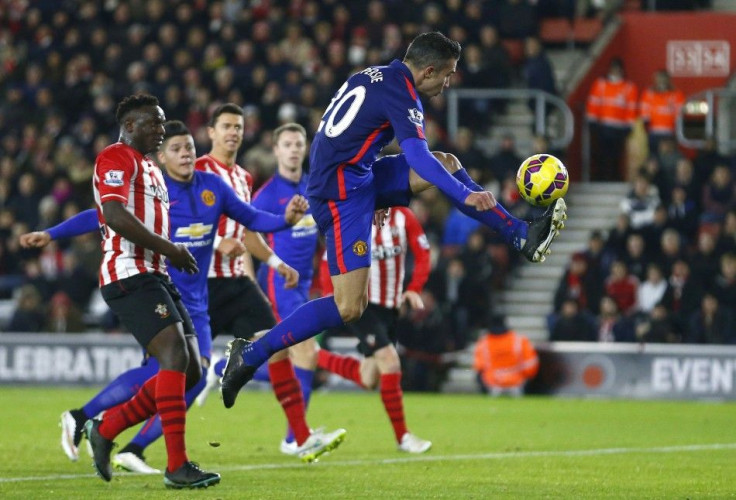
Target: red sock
point(393, 401)
point(289, 395)
point(346, 366)
point(136, 410)
point(173, 412)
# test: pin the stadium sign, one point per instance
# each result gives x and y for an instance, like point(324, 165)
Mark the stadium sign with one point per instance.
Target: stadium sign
point(646, 371)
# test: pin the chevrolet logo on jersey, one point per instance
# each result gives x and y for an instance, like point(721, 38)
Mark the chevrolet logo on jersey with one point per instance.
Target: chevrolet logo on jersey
point(195, 231)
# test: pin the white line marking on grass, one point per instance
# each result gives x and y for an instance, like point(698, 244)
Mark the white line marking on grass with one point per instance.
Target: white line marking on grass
point(423, 458)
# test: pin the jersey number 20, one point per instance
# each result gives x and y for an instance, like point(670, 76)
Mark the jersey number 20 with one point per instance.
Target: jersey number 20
point(328, 119)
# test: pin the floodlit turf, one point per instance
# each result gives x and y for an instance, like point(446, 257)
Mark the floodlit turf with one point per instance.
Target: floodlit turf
point(483, 448)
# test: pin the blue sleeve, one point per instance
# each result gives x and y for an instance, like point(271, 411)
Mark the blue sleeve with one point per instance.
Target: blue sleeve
point(252, 218)
point(431, 170)
point(83, 222)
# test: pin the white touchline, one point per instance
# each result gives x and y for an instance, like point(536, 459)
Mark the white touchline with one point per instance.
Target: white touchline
point(424, 458)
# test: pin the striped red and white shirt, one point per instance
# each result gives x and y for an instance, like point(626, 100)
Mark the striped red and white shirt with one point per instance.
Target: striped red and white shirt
point(389, 245)
point(123, 174)
point(241, 181)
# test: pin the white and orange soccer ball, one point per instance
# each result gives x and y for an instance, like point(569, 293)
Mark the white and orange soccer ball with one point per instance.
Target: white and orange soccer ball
point(542, 179)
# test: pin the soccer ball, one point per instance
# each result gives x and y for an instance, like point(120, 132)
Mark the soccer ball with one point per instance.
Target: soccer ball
point(542, 179)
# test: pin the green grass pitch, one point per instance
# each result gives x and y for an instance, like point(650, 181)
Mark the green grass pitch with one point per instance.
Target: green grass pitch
point(483, 448)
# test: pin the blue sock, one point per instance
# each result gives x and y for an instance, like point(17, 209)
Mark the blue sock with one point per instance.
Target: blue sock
point(124, 387)
point(305, 380)
point(305, 322)
point(262, 374)
point(513, 230)
point(152, 430)
point(220, 367)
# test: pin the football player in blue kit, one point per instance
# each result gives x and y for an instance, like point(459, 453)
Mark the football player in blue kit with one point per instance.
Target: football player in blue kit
point(349, 186)
point(198, 199)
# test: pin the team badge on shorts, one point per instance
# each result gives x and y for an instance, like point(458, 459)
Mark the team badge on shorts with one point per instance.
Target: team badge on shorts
point(208, 197)
point(360, 248)
point(162, 311)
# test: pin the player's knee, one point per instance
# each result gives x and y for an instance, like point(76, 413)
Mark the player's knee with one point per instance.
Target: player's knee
point(351, 312)
point(448, 160)
point(388, 360)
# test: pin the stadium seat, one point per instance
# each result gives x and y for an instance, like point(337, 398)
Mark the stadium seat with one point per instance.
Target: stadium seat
point(585, 31)
point(555, 31)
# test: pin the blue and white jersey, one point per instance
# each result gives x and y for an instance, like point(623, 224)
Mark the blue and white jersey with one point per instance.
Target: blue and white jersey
point(370, 109)
point(295, 245)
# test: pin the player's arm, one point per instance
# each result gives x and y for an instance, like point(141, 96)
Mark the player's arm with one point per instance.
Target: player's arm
point(259, 249)
point(129, 227)
point(259, 220)
point(82, 223)
point(419, 247)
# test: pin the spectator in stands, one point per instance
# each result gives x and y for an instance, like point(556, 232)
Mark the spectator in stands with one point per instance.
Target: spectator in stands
point(682, 213)
point(658, 107)
point(505, 162)
point(598, 261)
point(705, 259)
point(29, 314)
point(711, 324)
point(579, 285)
point(668, 156)
point(471, 157)
point(63, 315)
point(611, 111)
point(641, 202)
point(719, 195)
point(573, 325)
point(652, 290)
point(636, 257)
point(504, 359)
point(622, 287)
point(617, 237)
point(724, 286)
point(517, 19)
point(686, 179)
point(708, 157)
point(727, 238)
point(496, 57)
point(658, 327)
point(537, 70)
point(612, 326)
point(671, 250)
point(653, 232)
point(686, 292)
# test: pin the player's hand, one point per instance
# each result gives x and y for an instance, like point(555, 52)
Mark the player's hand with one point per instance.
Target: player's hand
point(481, 200)
point(36, 239)
point(182, 259)
point(413, 299)
point(231, 247)
point(296, 209)
point(290, 275)
point(380, 217)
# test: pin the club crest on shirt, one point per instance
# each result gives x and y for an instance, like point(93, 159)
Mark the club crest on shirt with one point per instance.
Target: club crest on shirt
point(360, 248)
point(208, 197)
point(162, 310)
point(113, 178)
point(416, 117)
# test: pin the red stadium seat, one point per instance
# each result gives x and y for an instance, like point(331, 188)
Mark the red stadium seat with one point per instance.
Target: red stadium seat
point(555, 31)
point(585, 31)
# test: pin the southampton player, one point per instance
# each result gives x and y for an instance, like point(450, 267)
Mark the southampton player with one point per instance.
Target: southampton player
point(297, 246)
point(198, 200)
point(347, 183)
point(133, 211)
point(376, 329)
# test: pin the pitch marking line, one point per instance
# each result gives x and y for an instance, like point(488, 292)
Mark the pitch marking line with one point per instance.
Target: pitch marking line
point(425, 458)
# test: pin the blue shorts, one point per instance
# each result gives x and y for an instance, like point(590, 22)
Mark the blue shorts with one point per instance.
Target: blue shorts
point(201, 321)
point(346, 224)
point(283, 301)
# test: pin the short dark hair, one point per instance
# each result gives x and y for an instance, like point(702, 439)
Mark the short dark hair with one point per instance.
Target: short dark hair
point(132, 103)
point(432, 49)
point(173, 128)
point(288, 127)
point(229, 107)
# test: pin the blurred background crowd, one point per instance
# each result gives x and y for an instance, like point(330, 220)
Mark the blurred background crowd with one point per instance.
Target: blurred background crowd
point(665, 273)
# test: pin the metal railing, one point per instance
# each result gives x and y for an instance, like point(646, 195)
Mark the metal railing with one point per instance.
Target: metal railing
point(716, 108)
point(541, 100)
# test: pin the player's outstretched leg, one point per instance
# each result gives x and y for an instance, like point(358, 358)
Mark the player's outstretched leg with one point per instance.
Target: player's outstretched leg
point(319, 443)
point(237, 373)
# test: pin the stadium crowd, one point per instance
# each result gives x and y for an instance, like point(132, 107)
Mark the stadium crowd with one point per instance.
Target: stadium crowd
point(66, 63)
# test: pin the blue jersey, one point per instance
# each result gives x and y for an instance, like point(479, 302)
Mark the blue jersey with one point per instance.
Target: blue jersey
point(195, 210)
point(295, 245)
point(368, 111)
